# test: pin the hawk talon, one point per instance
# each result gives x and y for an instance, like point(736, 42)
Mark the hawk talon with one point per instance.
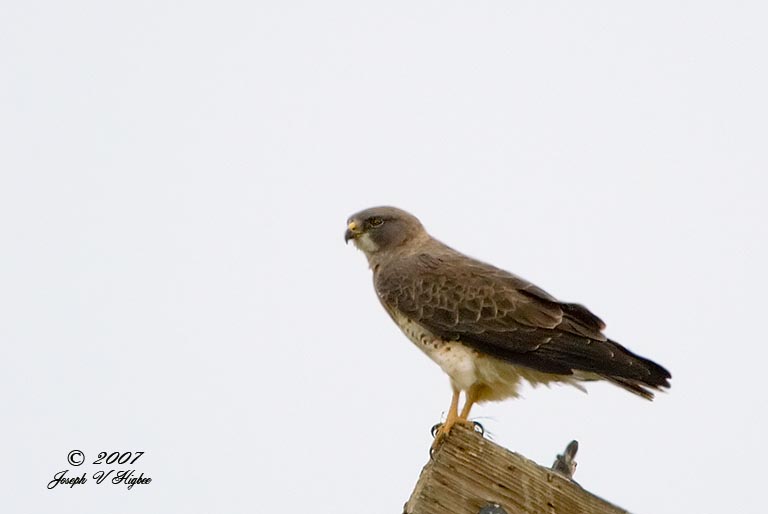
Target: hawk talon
point(476, 426)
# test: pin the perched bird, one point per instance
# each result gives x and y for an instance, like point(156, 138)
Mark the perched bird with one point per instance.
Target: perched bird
point(486, 328)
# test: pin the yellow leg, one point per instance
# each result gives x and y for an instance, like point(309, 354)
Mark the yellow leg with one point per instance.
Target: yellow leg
point(471, 398)
point(453, 410)
point(450, 419)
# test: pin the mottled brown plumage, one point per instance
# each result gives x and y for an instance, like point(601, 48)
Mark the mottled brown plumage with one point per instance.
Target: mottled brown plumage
point(501, 326)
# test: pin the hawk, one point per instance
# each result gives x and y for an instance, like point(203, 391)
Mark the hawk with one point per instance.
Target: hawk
point(485, 327)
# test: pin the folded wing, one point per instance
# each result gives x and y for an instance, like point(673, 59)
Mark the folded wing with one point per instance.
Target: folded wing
point(500, 314)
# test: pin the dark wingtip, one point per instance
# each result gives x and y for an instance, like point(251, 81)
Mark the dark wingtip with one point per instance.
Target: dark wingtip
point(642, 377)
point(641, 390)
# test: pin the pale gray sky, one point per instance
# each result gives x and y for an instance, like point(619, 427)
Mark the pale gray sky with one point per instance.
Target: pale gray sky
point(174, 183)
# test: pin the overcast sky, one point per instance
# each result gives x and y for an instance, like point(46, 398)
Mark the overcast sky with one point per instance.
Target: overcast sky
point(175, 179)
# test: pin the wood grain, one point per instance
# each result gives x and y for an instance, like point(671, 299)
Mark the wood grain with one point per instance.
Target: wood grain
point(468, 472)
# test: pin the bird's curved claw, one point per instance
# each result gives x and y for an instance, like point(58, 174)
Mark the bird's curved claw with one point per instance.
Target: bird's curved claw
point(476, 426)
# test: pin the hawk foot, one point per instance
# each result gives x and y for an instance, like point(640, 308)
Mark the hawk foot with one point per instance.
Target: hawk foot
point(441, 430)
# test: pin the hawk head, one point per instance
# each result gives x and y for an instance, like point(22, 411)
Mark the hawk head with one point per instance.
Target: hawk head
point(381, 229)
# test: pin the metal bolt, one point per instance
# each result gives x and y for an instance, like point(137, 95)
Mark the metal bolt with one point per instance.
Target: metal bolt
point(492, 508)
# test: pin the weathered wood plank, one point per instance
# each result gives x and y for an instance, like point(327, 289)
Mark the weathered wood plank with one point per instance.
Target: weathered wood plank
point(468, 472)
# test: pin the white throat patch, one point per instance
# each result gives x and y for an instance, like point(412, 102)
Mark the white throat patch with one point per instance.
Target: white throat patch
point(365, 243)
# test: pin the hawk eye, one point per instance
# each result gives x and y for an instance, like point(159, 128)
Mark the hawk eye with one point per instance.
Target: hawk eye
point(375, 222)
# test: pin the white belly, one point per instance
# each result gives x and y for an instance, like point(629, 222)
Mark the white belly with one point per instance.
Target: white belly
point(455, 359)
point(467, 368)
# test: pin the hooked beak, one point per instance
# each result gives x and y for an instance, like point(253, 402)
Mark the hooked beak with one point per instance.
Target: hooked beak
point(352, 232)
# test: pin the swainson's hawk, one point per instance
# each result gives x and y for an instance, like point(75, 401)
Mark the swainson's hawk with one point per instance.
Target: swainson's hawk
point(485, 327)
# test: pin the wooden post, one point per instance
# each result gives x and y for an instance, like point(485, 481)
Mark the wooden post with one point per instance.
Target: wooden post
point(469, 473)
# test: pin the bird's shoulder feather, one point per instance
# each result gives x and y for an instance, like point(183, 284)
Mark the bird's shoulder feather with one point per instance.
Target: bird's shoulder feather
point(451, 292)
